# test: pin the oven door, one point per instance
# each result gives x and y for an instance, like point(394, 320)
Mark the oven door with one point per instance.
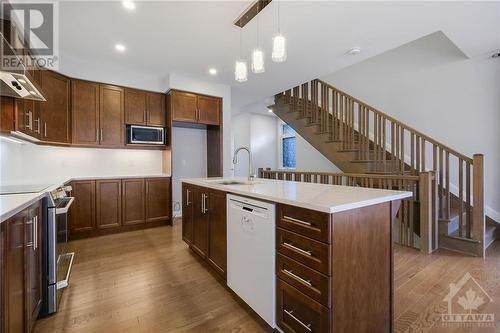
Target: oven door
point(146, 135)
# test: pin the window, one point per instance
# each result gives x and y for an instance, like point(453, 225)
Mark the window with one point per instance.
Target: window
point(287, 146)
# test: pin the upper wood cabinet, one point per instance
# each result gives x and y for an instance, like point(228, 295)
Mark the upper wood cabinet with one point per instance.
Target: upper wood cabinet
point(112, 127)
point(194, 108)
point(135, 107)
point(98, 114)
point(208, 110)
point(55, 122)
point(85, 112)
point(144, 108)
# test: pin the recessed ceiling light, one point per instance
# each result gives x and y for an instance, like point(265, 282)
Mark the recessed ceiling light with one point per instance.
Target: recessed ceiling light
point(212, 71)
point(354, 51)
point(130, 5)
point(120, 47)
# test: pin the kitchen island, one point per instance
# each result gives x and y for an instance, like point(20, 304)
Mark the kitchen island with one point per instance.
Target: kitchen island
point(332, 251)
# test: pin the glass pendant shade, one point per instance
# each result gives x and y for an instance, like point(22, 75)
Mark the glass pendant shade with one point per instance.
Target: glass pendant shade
point(279, 49)
point(258, 61)
point(240, 71)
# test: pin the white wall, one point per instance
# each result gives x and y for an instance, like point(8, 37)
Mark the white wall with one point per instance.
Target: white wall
point(309, 158)
point(33, 163)
point(189, 149)
point(430, 85)
point(189, 159)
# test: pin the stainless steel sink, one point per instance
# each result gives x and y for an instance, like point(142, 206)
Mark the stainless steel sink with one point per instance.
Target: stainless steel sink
point(234, 182)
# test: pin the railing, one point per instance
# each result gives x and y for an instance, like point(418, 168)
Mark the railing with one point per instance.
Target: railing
point(393, 147)
point(420, 208)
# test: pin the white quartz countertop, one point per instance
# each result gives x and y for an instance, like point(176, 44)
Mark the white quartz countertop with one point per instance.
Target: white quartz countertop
point(320, 197)
point(11, 204)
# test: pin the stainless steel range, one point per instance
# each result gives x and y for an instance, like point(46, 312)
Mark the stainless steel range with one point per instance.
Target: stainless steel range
point(57, 262)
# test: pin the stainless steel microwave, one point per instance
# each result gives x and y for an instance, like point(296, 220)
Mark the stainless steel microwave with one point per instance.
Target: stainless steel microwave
point(145, 135)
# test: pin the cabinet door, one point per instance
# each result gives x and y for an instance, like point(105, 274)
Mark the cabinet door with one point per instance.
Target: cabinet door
point(183, 107)
point(14, 303)
point(85, 112)
point(135, 107)
point(156, 109)
point(111, 132)
point(208, 110)
point(217, 244)
point(133, 201)
point(55, 111)
point(108, 203)
point(200, 221)
point(82, 211)
point(33, 257)
point(158, 202)
point(187, 213)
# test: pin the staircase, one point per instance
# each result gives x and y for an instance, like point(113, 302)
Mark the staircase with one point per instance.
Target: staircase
point(362, 140)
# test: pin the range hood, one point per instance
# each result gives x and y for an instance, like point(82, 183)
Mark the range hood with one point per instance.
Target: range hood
point(16, 81)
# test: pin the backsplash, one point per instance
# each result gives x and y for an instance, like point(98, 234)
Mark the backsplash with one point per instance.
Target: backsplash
point(25, 162)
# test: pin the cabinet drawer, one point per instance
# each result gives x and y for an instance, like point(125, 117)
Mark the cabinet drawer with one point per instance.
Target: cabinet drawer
point(297, 313)
point(306, 280)
point(309, 223)
point(309, 252)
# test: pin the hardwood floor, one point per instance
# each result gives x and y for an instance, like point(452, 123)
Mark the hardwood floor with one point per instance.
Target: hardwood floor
point(149, 281)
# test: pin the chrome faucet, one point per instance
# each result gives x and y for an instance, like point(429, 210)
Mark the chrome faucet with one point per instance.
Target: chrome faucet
point(251, 174)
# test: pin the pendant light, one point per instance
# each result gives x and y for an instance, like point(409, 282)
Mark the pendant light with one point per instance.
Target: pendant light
point(258, 54)
point(240, 68)
point(279, 42)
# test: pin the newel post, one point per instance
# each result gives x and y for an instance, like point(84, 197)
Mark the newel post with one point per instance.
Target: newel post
point(428, 216)
point(260, 173)
point(478, 220)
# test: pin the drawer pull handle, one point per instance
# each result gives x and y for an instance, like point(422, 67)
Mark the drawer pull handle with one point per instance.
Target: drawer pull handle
point(297, 220)
point(308, 253)
point(290, 273)
point(307, 327)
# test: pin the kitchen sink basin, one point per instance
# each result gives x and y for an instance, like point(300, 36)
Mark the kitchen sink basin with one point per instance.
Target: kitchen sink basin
point(234, 182)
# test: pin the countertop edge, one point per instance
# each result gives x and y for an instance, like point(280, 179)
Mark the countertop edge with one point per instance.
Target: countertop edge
point(311, 206)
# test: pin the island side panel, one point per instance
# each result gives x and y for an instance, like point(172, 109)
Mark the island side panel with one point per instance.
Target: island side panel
point(362, 270)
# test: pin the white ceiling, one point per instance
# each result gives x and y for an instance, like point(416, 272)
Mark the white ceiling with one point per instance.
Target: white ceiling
point(188, 37)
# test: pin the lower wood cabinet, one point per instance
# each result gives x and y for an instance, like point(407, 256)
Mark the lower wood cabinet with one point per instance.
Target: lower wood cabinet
point(204, 224)
point(108, 203)
point(21, 270)
point(116, 205)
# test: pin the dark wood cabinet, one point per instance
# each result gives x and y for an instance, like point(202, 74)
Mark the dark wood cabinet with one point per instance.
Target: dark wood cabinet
point(187, 213)
point(217, 238)
point(15, 291)
point(135, 107)
point(183, 106)
point(82, 212)
point(33, 257)
point(108, 203)
point(54, 119)
point(156, 112)
point(144, 108)
point(21, 270)
point(158, 202)
point(107, 206)
point(85, 112)
point(111, 131)
point(194, 108)
point(204, 224)
point(200, 221)
point(133, 201)
point(208, 110)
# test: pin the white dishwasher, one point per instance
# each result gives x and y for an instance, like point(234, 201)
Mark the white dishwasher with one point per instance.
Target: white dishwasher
point(251, 254)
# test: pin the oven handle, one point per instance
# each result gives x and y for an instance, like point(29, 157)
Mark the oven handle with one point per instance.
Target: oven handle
point(51, 245)
point(64, 210)
point(64, 283)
